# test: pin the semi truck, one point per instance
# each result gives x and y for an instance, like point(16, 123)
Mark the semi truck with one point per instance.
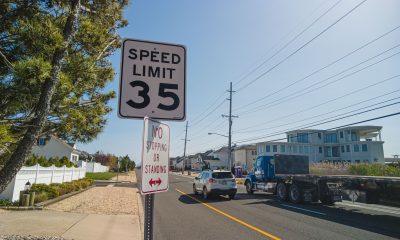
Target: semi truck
point(289, 178)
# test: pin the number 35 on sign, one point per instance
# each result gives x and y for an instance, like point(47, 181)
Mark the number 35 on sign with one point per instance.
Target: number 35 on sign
point(153, 80)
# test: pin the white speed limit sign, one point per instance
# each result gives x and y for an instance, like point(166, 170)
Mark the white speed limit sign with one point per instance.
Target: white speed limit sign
point(153, 79)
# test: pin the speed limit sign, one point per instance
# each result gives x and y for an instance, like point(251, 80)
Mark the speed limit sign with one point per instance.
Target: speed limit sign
point(153, 80)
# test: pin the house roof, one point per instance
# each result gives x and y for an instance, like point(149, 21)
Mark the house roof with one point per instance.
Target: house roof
point(247, 147)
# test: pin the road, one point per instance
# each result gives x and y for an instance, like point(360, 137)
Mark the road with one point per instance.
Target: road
point(179, 214)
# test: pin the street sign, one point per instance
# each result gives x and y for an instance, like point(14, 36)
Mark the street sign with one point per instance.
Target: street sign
point(155, 157)
point(153, 80)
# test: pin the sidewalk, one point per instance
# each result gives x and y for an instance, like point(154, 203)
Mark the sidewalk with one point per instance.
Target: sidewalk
point(101, 213)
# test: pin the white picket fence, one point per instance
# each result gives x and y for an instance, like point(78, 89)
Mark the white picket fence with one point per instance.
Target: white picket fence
point(38, 174)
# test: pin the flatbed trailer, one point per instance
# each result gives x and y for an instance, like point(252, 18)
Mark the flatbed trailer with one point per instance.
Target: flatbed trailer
point(288, 177)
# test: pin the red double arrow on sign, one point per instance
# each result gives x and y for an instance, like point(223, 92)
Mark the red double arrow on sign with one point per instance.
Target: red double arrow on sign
point(154, 182)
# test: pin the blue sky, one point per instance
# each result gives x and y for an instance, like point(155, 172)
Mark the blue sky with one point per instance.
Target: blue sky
point(227, 40)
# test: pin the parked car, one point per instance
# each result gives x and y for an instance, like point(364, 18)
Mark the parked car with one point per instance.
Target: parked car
point(217, 182)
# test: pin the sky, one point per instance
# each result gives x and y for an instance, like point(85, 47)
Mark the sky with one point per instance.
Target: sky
point(292, 64)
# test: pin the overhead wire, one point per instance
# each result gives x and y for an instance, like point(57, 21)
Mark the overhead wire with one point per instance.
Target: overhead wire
point(315, 116)
point(307, 89)
point(301, 47)
point(320, 69)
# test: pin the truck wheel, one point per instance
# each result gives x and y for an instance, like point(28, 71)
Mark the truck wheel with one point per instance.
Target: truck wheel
point(294, 193)
point(327, 200)
point(281, 191)
point(249, 188)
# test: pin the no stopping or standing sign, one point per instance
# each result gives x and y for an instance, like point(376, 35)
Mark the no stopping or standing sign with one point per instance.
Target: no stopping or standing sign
point(153, 80)
point(155, 157)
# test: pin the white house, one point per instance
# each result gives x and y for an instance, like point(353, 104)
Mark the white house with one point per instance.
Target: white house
point(218, 159)
point(356, 144)
point(245, 156)
point(52, 146)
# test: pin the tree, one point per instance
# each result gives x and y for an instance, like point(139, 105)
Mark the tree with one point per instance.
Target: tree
point(54, 67)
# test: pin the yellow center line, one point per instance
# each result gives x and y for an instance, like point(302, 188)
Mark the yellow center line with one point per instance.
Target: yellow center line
point(230, 216)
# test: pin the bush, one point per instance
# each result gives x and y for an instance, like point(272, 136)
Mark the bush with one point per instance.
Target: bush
point(51, 190)
point(5, 202)
point(41, 197)
point(68, 187)
point(374, 169)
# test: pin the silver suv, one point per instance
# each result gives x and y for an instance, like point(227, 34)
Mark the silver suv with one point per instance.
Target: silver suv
point(215, 182)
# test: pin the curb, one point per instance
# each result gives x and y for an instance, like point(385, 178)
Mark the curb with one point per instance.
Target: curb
point(15, 208)
point(57, 199)
point(141, 212)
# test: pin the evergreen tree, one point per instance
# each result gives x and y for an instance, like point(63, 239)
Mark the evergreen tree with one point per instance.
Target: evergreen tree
point(54, 67)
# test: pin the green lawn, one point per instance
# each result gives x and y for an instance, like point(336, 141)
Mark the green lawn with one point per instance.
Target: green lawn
point(101, 176)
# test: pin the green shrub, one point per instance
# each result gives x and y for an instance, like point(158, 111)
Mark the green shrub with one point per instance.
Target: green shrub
point(374, 169)
point(68, 187)
point(41, 197)
point(5, 202)
point(51, 190)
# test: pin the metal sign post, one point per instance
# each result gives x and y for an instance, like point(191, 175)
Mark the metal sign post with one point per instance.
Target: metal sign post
point(153, 84)
point(148, 216)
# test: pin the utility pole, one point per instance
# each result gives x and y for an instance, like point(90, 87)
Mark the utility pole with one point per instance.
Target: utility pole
point(230, 116)
point(184, 151)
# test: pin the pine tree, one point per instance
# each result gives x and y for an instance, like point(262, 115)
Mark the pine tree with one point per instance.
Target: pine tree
point(54, 68)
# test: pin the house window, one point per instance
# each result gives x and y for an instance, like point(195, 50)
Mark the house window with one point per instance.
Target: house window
point(341, 134)
point(353, 136)
point(342, 147)
point(364, 147)
point(274, 148)
point(260, 149)
point(41, 141)
point(311, 149)
point(268, 148)
point(356, 148)
point(347, 148)
point(294, 149)
point(320, 149)
point(300, 149)
point(283, 148)
point(319, 135)
point(306, 149)
point(302, 137)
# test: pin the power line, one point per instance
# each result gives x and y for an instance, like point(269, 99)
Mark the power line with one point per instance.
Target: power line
point(322, 114)
point(293, 96)
point(347, 125)
point(288, 43)
point(320, 69)
point(337, 117)
point(293, 39)
point(300, 48)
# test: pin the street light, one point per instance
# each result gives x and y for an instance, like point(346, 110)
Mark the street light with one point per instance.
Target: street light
point(210, 133)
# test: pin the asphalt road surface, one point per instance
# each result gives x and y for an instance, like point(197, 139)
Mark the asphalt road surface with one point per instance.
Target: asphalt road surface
point(179, 214)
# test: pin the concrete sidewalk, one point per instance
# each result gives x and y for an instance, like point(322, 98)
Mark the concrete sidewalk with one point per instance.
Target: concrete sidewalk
point(75, 226)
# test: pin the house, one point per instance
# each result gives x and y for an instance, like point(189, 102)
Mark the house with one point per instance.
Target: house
point(245, 156)
point(355, 144)
point(218, 159)
point(52, 146)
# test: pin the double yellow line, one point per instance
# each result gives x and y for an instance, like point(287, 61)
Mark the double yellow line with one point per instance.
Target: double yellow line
point(229, 216)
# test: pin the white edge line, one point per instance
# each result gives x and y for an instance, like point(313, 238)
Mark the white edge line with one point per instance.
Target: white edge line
point(303, 209)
